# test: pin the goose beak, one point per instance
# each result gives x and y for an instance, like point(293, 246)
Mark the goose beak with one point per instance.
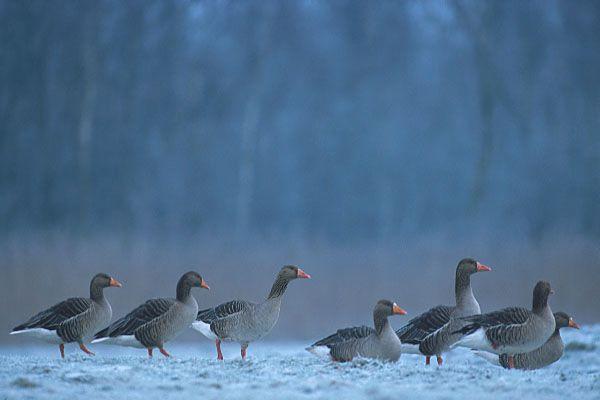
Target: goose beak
point(397, 310)
point(573, 324)
point(482, 268)
point(204, 285)
point(115, 283)
point(302, 274)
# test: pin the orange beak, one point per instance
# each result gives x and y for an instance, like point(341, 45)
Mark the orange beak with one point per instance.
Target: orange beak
point(204, 285)
point(573, 324)
point(398, 310)
point(302, 274)
point(115, 283)
point(482, 268)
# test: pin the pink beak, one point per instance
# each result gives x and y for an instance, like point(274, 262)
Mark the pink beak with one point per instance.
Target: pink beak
point(482, 268)
point(573, 324)
point(302, 274)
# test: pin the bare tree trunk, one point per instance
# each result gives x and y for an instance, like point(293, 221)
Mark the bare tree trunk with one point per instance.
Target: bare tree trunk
point(487, 85)
point(86, 118)
point(249, 139)
point(250, 130)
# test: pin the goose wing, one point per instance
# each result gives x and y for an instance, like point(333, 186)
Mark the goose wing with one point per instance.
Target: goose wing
point(54, 316)
point(423, 325)
point(142, 315)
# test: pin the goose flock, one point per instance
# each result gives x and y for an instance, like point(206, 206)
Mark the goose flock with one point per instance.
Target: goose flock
point(513, 338)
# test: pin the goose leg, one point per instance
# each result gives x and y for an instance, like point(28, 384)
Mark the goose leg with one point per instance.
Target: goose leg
point(164, 352)
point(511, 362)
point(219, 354)
point(85, 349)
point(243, 350)
point(439, 360)
point(149, 352)
point(427, 360)
point(61, 347)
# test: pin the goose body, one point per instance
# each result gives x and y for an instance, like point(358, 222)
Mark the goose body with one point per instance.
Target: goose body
point(380, 342)
point(243, 321)
point(431, 333)
point(548, 353)
point(157, 321)
point(72, 320)
point(502, 332)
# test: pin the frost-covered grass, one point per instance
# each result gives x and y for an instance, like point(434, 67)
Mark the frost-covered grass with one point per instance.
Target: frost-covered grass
point(286, 371)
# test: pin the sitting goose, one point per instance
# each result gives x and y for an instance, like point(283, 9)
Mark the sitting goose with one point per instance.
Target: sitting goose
point(157, 320)
point(242, 321)
point(363, 341)
point(499, 332)
point(548, 353)
point(73, 320)
point(430, 333)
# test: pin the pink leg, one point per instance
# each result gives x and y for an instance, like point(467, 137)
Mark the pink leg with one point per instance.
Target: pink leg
point(61, 347)
point(511, 362)
point(149, 352)
point(219, 354)
point(427, 360)
point(164, 352)
point(243, 350)
point(85, 349)
point(439, 360)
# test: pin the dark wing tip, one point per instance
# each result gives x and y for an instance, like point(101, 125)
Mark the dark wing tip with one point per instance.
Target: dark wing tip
point(467, 329)
point(102, 333)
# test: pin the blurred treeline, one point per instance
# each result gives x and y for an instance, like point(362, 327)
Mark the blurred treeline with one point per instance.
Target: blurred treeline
point(375, 143)
point(341, 119)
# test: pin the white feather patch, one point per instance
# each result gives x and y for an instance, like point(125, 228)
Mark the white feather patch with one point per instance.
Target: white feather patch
point(489, 357)
point(123, 340)
point(40, 333)
point(204, 329)
point(410, 349)
point(477, 340)
point(319, 351)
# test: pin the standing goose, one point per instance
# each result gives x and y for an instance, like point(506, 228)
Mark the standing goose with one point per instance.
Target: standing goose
point(73, 320)
point(499, 332)
point(157, 320)
point(381, 343)
point(548, 353)
point(242, 321)
point(431, 332)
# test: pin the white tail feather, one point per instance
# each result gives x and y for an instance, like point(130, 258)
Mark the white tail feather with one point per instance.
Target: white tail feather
point(123, 340)
point(410, 349)
point(489, 357)
point(476, 340)
point(319, 351)
point(46, 335)
point(204, 329)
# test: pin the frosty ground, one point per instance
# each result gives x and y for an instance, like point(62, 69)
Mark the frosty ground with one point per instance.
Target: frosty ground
point(286, 371)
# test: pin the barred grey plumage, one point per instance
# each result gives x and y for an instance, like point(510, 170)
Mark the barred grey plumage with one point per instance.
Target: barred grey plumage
point(73, 320)
point(547, 354)
point(500, 332)
point(381, 343)
point(157, 321)
point(242, 321)
point(431, 332)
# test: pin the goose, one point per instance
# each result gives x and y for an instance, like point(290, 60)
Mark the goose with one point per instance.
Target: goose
point(380, 343)
point(73, 320)
point(157, 321)
point(548, 353)
point(501, 332)
point(242, 321)
point(429, 334)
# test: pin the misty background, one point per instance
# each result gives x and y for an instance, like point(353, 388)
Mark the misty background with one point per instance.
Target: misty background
point(372, 143)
